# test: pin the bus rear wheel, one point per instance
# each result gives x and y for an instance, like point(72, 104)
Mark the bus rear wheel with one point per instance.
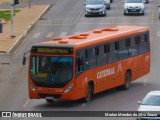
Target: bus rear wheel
point(127, 81)
point(88, 93)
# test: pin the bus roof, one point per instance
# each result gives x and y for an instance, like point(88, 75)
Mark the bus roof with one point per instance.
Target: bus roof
point(97, 36)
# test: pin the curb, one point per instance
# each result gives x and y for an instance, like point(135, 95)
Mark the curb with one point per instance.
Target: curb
point(32, 25)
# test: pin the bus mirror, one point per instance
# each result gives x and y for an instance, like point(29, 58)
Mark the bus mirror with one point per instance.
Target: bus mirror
point(24, 60)
point(24, 57)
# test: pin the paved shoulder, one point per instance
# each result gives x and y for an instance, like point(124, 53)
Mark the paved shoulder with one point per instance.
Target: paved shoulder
point(23, 22)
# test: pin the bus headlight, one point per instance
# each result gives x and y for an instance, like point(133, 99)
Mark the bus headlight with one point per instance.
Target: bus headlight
point(69, 88)
point(31, 87)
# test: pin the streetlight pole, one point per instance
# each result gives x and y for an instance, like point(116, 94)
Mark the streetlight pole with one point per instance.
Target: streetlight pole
point(29, 3)
point(12, 22)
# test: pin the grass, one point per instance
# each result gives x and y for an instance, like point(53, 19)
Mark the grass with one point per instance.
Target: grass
point(6, 14)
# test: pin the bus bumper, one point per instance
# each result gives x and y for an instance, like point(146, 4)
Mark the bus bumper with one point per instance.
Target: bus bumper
point(52, 95)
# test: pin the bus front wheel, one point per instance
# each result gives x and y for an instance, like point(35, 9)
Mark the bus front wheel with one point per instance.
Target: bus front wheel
point(88, 93)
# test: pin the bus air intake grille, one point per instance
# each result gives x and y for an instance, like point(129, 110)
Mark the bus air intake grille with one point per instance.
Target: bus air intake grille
point(78, 37)
point(113, 28)
point(56, 96)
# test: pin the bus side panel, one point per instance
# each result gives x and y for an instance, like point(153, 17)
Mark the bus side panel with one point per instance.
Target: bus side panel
point(108, 77)
point(144, 64)
point(81, 82)
point(134, 67)
point(32, 94)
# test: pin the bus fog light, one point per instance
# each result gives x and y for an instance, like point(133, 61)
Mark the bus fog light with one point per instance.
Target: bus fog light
point(69, 88)
point(31, 87)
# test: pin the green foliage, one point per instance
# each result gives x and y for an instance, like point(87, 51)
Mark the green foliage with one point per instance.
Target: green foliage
point(6, 14)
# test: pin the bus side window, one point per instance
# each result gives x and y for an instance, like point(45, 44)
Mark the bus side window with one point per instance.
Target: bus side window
point(80, 63)
point(112, 51)
point(102, 54)
point(123, 48)
point(133, 49)
point(90, 59)
point(143, 45)
point(137, 40)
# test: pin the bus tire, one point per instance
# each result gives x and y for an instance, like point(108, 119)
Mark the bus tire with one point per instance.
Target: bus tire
point(88, 93)
point(50, 101)
point(127, 81)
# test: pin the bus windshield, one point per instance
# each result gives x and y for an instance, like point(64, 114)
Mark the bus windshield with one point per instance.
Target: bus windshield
point(49, 71)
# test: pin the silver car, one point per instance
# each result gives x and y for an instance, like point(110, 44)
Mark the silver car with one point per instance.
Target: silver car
point(150, 104)
point(96, 7)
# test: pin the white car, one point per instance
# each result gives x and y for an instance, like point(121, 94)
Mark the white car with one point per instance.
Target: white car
point(134, 7)
point(150, 104)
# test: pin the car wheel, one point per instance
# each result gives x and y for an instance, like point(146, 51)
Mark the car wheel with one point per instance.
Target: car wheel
point(125, 14)
point(86, 15)
point(142, 13)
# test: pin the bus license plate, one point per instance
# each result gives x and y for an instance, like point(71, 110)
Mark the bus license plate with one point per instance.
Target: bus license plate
point(50, 98)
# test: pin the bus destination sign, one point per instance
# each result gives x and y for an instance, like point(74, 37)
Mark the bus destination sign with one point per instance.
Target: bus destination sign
point(52, 50)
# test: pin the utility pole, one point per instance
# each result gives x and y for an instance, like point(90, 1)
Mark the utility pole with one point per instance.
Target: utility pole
point(12, 23)
point(1, 28)
point(13, 3)
point(29, 3)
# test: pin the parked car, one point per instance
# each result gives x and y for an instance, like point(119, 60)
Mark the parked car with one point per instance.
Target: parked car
point(96, 7)
point(150, 103)
point(134, 7)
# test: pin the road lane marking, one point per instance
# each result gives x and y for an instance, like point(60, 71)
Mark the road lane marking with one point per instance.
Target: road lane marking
point(115, 15)
point(150, 39)
point(83, 104)
point(102, 24)
point(158, 34)
point(50, 34)
point(36, 35)
point(145, 82)
point(58, 19)
point(118, 23)
point(26, 103)
point(49, 24)
point(153, 9)
point(78, 17)
point(63, 34)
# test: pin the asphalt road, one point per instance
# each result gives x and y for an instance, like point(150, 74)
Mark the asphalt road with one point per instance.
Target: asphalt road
point(66, 18)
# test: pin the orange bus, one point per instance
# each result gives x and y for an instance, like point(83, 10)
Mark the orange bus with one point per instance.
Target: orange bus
point(81, 65)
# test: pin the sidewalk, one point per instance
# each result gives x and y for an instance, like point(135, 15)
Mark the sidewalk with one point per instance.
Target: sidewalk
point(23, 22)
